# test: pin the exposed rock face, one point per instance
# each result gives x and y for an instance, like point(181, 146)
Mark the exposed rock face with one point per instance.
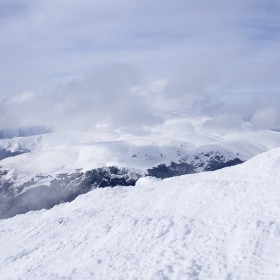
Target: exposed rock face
point(7, 153)
point(193, 164)
point(64, 188)
point(45, 192)
point(174, 169)
point(215, 165)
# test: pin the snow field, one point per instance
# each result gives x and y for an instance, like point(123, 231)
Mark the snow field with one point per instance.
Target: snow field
point(214, 225)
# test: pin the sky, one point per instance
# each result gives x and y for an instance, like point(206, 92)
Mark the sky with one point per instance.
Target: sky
point(131, 64)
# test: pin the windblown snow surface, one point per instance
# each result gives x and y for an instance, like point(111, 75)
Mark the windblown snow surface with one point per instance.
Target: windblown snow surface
point(215, 225)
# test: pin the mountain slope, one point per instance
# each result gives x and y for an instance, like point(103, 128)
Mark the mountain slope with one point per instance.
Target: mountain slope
point(41, 171)
point(215, 225)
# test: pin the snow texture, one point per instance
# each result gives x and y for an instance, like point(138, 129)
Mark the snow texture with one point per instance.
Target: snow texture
point(215, 225)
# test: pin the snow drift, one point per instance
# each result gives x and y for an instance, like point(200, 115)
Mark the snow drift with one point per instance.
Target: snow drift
point(215, 225)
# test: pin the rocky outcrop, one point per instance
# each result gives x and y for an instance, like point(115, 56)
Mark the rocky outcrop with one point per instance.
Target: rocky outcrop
point(7, 153)
point(200, 162)
point(163, 171)
point(64, 188)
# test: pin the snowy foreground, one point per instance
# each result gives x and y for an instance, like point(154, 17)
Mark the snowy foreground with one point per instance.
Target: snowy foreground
point(214, 225)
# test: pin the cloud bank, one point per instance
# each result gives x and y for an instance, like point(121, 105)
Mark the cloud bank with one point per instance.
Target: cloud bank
point(117, 98)
point(146, 59)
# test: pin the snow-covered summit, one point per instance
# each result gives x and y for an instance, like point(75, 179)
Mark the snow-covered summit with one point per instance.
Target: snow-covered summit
point(55, 153)
point(215, 225)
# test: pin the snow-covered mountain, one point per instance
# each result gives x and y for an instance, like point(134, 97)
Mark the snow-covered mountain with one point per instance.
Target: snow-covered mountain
point(41, 171)
point(212, 225)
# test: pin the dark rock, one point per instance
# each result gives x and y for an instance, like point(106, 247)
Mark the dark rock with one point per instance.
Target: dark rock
point(64, 188)
point(6, 153)
point(216, 164)
point(174, 169)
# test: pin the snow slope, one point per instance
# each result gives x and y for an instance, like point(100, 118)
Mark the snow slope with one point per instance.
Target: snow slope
point(215, 225)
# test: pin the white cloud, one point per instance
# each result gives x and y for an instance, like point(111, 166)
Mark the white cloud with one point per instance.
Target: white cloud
point(105, 96)
point(23, 97)
point(193, 49)
point(267, 118)
point(45, 41)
